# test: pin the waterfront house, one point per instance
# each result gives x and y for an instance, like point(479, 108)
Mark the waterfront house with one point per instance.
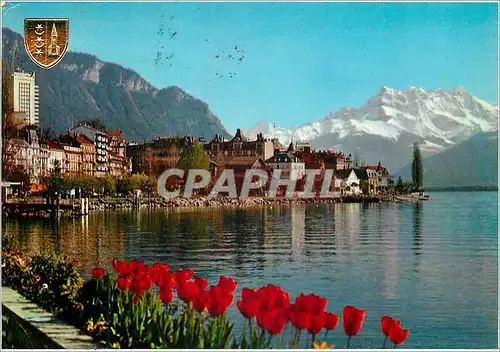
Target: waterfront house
point(239, 145)
point(119, 162)
point(373, 177)
point(156, 156)
point(117, 143)
point(25, 154)
point(44, 159)
point(72, 165)
point(100, 140)
point(33, 166)
point(16, 153)
point(117, 166)
point(311, 160)
point(56, 156)
point(292, 167)
point(384, 178)
point(88, 155)
point(351, 180)
point(240, 164)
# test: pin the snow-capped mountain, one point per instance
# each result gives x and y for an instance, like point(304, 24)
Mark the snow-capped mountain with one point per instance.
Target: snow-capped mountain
point(395, 119)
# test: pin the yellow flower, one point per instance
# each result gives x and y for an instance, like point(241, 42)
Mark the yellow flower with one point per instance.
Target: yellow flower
point(115, 345)
point(322, 345)
point(101, 325)
point(90, 326)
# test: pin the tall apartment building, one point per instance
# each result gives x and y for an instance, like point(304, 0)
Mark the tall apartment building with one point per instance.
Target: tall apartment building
point(100, 140)
point(26, 96)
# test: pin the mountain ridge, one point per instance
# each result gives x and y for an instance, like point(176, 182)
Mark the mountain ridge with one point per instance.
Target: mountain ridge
point(392, 120)
point(83, 86)
point(473, 162)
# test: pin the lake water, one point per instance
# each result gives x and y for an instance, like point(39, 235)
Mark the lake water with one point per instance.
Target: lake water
point(434, 265)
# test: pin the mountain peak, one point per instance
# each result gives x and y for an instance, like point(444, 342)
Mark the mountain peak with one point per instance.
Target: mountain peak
point(396, 119)
point(83, 86)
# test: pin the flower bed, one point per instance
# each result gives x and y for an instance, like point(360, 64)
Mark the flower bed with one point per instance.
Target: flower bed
point(140, 306)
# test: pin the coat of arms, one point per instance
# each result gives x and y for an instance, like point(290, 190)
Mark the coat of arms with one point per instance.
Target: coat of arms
point(46, 40)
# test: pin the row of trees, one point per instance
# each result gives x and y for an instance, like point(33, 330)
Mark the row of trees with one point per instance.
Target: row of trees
point(88, 185)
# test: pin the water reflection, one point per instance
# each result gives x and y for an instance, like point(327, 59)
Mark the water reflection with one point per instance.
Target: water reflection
point(391, 257)
point(417, 239)
point(298, 231)
point(373, 256)
point(348, 226)
point(417, 229)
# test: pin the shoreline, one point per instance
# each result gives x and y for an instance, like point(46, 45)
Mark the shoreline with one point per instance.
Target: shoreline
point(198, 202)
point(211, 202)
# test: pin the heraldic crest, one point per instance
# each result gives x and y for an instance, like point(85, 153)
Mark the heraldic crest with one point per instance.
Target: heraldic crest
point(46, 40)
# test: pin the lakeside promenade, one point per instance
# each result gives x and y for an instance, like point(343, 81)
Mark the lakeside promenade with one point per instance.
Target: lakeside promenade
point(37, 207)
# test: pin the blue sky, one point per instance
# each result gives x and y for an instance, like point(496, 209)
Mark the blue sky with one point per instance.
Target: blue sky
point(301, 60)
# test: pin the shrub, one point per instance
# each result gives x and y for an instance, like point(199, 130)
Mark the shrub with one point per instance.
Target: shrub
point(48, 280)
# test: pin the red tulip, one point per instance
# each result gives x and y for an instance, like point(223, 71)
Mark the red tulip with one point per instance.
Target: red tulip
point(387, 323)
point(273, 297)
point(160, 267)
point(137, 267)
point(227, 284)
point(250, 302)
point(353, 319)
point(98, 273)
point(273, 321)
point(311, 303)
point(300, 319)
point(157, 271)
point(316, 323)
point(249, 294)
point(167, 280)
point(141, 283)
point(248, 309)
point(183, 275)
point(166, 295)
point(123, 283)
point(187, 291)
point(331, 321)
point(398, 335)
point(201, 302)
point(121, 268)
point(219, 301)
point(201, 283)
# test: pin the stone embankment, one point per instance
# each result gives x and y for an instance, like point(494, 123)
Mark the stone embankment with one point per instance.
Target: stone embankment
point(204, 201)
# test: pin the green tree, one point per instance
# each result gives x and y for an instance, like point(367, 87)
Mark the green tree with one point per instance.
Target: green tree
point(149, 184)
point(138, 181)
point(416, 168)
point(194, 157)
point(86, 184)
point(408, 187)
point(124, 186)
point(55, 183)
point(108, 184)
point(399, 185)
point(19, 174)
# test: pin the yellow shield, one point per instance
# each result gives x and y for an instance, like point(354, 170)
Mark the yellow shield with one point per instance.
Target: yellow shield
point(46, 40)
